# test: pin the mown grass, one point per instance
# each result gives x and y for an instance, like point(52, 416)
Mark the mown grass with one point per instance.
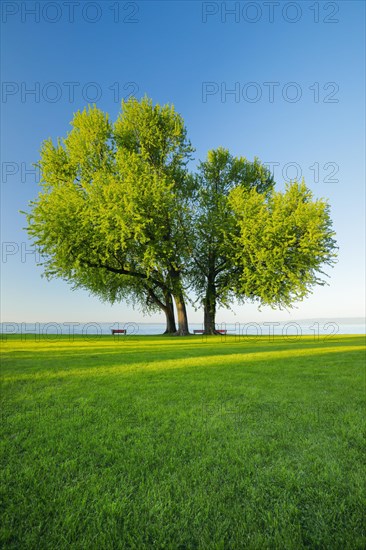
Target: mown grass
point(183, 443)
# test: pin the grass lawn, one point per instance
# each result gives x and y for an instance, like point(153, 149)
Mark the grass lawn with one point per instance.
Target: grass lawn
point(183, 443)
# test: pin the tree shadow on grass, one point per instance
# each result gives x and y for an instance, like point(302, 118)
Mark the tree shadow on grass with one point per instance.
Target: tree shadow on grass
point(130, 363)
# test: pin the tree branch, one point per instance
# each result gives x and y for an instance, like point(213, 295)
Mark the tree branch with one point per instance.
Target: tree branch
point(123, 271)
point(156, 299)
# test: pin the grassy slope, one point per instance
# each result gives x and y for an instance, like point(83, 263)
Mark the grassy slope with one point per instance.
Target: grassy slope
point(162, 442)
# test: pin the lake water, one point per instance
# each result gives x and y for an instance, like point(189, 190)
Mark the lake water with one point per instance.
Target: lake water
point(291, 328)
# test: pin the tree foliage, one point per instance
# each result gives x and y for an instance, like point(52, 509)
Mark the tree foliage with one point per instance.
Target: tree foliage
point(279, 244)
point(213, 265)
point(113, 199)
point(120, 215)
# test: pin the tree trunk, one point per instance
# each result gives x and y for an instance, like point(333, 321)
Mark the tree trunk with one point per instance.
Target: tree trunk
point(178, 296)
point(182, 316)
point(170, 317)
point(165, 305)
point(209, 305)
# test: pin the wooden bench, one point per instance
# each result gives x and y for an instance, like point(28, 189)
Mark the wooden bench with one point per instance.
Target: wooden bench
point(200, 331)
point(118, 331)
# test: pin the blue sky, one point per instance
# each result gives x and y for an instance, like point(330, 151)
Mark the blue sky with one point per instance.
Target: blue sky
point(296, 73)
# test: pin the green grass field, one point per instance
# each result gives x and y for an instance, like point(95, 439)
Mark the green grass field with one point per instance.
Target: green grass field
point(183, 443)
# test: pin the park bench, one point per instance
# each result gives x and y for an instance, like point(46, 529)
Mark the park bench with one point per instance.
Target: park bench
point(118, 331)
point(200, 331)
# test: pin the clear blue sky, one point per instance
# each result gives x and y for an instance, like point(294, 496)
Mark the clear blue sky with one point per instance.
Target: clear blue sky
point(190, 54)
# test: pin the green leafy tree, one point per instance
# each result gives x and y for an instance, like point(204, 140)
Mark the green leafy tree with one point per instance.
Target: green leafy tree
point(212, 267)
point(120, 216)
point(112, 213)
point(279, 244)
point(251, 243)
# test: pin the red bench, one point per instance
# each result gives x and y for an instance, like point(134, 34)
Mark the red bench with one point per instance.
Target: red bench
point(118, 331)
point(200, 331)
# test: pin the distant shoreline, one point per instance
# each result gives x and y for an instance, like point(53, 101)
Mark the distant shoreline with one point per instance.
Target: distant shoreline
point(315, 327)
